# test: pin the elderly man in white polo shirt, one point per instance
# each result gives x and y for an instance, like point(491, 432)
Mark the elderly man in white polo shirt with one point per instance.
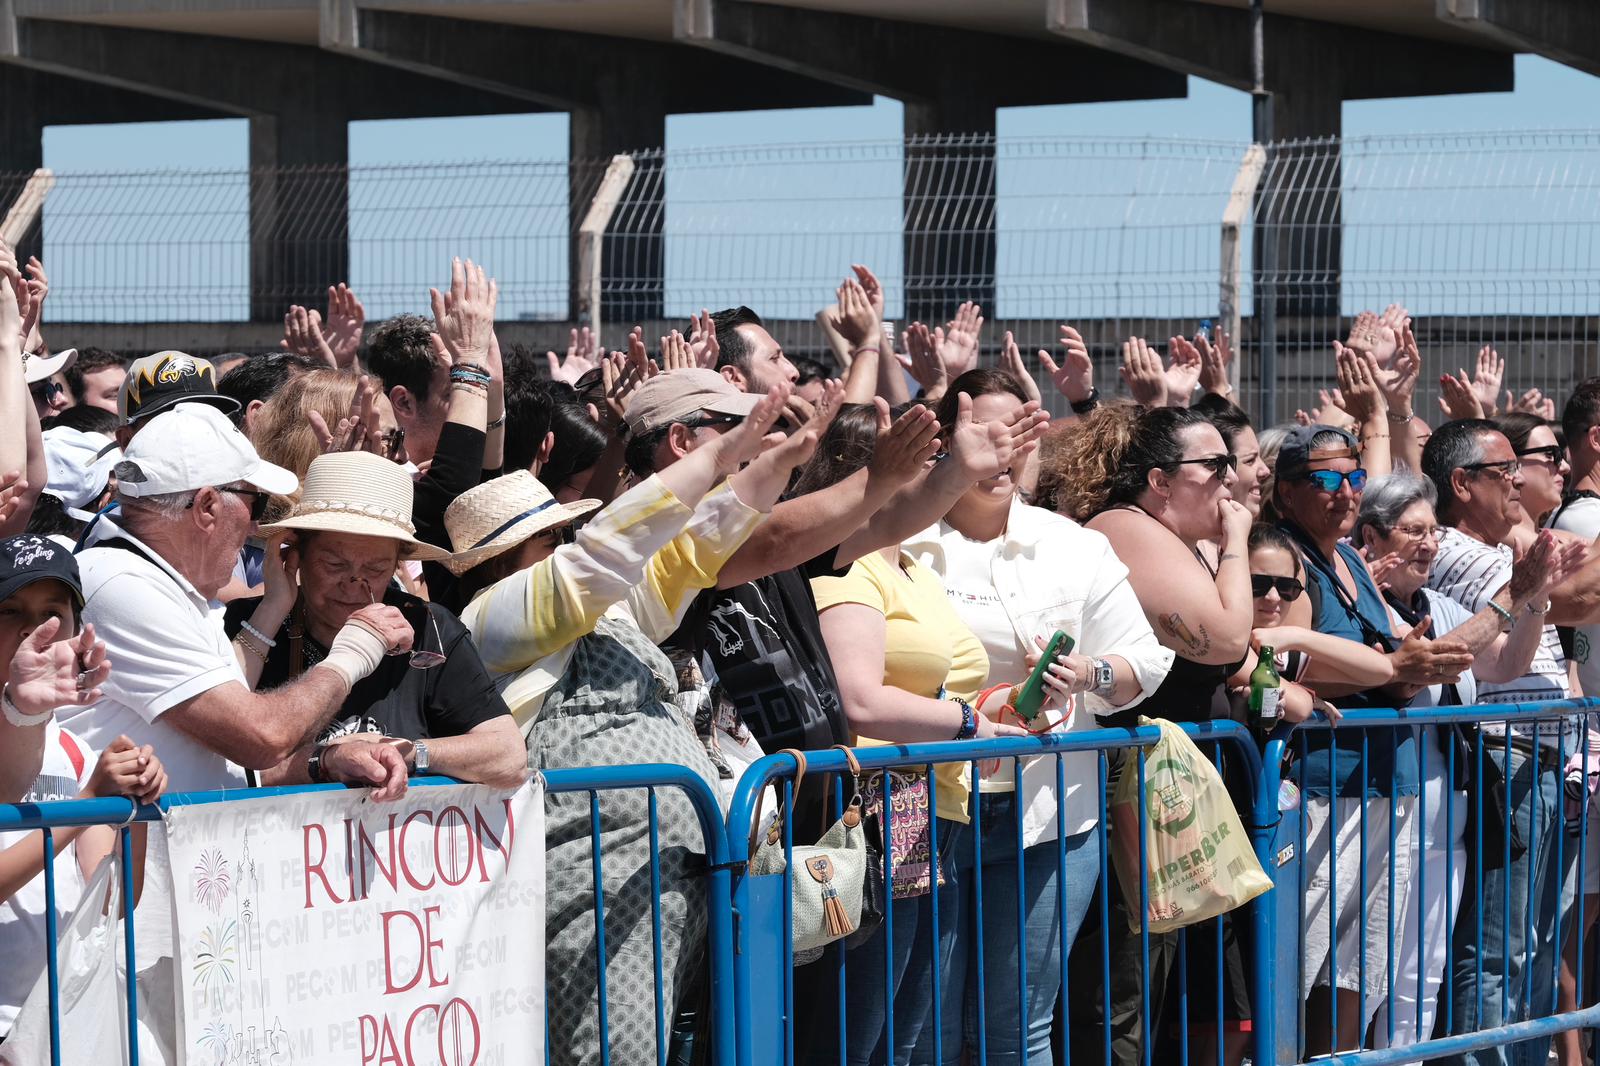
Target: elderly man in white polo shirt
point(190, 488)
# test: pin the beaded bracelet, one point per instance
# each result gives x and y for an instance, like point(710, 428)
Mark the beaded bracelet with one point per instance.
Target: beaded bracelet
point(262, 637)
point(460, 374)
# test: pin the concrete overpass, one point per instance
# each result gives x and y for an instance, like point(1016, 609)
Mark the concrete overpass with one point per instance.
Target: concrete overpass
point(300, 70)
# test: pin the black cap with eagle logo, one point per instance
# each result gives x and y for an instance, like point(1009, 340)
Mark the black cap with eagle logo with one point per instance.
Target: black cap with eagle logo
point(156, 382)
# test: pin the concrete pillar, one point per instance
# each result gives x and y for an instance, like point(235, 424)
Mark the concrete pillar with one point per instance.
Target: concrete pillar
point(299, 211)
point(948, 198)
point(633, 253)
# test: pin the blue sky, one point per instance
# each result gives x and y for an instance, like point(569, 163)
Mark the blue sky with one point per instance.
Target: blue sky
point(1103, 230)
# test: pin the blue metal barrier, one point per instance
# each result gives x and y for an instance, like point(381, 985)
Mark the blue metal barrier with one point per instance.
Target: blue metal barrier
point(767, 1020)
point(1521, 1018)
point(592, 780)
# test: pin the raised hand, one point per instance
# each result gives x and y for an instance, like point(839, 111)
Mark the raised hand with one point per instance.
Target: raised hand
point(12, 487)
point(1400, 384)
point(921, 358)
point(1364, 333)
point(1491, 370)
point(621, 378)
point(703, 340)
point(903, 447)
point(746, 440)
point(1456, 398)
point(1216, 363)
point(676, 353)
point(1011, 362)
point(1533, 402)
point(1383, 566)
point(358, 431)
point(1142, 372)
point(871, 286)
point(1361, 397)
point(302, 334)
point(343, 327)
point(1391, 325)
point(958, 344)
point(762, 481)
point(11, 335)
point(1074, 377)
point(981, 450)
point(464, 317)
point(47, 673)
point(280, 571)
point(582, 357)
point(855, 320)
point(1183, 372)
point(37, 287)
point(1545, 564)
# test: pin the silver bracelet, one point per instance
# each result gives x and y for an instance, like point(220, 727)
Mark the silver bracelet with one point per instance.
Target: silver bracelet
point(262, 637)
point(15, 715)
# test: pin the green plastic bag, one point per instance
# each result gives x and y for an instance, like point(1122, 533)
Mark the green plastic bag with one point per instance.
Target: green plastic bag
point(1201, 863)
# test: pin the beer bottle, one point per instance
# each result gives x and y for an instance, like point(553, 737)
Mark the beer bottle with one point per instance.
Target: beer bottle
point(1266, 692)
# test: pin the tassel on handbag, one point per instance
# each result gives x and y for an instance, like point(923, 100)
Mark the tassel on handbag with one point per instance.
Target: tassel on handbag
point(838, 922)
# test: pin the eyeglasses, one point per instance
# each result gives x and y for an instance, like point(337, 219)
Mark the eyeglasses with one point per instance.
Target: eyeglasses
point(1219, 465)
point(1416, 532)
point(46, 390)
point(558, 535)
point(258, 501)
point(711, 420)
point(1330, 480)
point(1549, 453)
point(1289, 589)
point(1505, 469)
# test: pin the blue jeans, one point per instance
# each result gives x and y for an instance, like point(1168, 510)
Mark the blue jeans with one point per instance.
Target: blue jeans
point(1518, 958)
point(905, 980)
point(1040, 938)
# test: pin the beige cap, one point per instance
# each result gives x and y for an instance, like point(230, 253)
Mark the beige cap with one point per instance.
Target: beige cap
point(678, 395)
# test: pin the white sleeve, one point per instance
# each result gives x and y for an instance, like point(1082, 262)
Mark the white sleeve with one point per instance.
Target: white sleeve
point(1114, 624)
point(160, 653)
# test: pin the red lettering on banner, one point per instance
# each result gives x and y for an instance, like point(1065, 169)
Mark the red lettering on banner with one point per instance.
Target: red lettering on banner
point(310, 868)
point(450, 1019)
point(383, 1049)
point(486, 833)
point(445, 823)
point(427, 948)
point(405, 868)
point(367, 849)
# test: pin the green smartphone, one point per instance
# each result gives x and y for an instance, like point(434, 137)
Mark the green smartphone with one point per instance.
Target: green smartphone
point(1030, 697)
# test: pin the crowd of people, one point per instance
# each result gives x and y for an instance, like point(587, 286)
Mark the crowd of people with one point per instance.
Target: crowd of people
point(395, 549)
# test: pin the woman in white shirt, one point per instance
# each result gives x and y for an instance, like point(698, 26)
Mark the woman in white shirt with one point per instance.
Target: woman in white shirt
point(1016, 574)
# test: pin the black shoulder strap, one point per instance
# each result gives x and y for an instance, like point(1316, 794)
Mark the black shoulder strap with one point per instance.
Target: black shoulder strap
point(1370, 634)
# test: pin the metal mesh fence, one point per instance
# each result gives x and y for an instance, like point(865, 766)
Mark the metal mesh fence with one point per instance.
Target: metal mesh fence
point(1485, 238)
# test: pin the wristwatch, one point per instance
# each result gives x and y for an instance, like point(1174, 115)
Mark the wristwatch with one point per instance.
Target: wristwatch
point(1105, 678)
point(1088, 403)
point(421, 761)
point(314, 765)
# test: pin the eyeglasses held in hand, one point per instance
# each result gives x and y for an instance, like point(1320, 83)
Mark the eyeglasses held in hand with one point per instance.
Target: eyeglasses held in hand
point(1219, 465)
point(421, 658)
point(1330, 480)
point(1289, 588)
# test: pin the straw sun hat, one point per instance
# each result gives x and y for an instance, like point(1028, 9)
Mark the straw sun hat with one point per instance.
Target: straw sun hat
point(498, 515)
point(359, 493)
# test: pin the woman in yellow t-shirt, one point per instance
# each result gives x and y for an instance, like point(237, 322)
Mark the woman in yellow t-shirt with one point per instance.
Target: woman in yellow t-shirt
point(909, 671)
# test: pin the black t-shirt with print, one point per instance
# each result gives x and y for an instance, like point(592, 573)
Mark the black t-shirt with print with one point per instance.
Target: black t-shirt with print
point(395, 699)
point(764, 642)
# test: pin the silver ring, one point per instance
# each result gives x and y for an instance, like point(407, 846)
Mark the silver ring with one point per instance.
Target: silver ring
point(83, 679)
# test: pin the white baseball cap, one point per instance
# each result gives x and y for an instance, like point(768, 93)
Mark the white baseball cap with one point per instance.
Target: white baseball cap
point(191, 446)
point(36, 369)
point(79, 464)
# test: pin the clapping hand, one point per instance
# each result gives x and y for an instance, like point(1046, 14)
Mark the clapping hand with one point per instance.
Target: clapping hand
point(464, 317)
point(1074, 377)
point(1011, 362)
point(583, 355)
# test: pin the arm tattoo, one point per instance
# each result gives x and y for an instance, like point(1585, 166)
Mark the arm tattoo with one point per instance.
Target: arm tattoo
point(1176, 628)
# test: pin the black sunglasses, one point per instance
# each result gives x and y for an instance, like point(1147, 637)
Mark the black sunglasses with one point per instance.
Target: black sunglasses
point(1219, 465)
point(1549, 453)
point(258, 501)
point(47, 389)
point(1289, 588)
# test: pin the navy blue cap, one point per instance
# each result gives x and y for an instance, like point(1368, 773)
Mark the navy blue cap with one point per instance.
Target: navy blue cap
point(29, 557)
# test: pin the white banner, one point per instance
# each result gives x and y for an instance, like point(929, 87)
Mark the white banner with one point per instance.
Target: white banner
point(323, 928)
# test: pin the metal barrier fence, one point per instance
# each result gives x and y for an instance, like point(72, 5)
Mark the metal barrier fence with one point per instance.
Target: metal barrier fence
point(595, 782)
point(1487, 238)
point(753, 1016)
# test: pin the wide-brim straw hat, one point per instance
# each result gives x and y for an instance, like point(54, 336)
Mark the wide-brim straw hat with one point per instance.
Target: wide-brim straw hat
point(498, 515)
point(362, 494)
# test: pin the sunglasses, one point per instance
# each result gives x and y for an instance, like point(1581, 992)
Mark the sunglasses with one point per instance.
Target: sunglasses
point(1550, 453)
point(1330, 480)
point(258, 501)
point(559, 535)
point(1289, 588)
point(46, 390)
point(1219, 465)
